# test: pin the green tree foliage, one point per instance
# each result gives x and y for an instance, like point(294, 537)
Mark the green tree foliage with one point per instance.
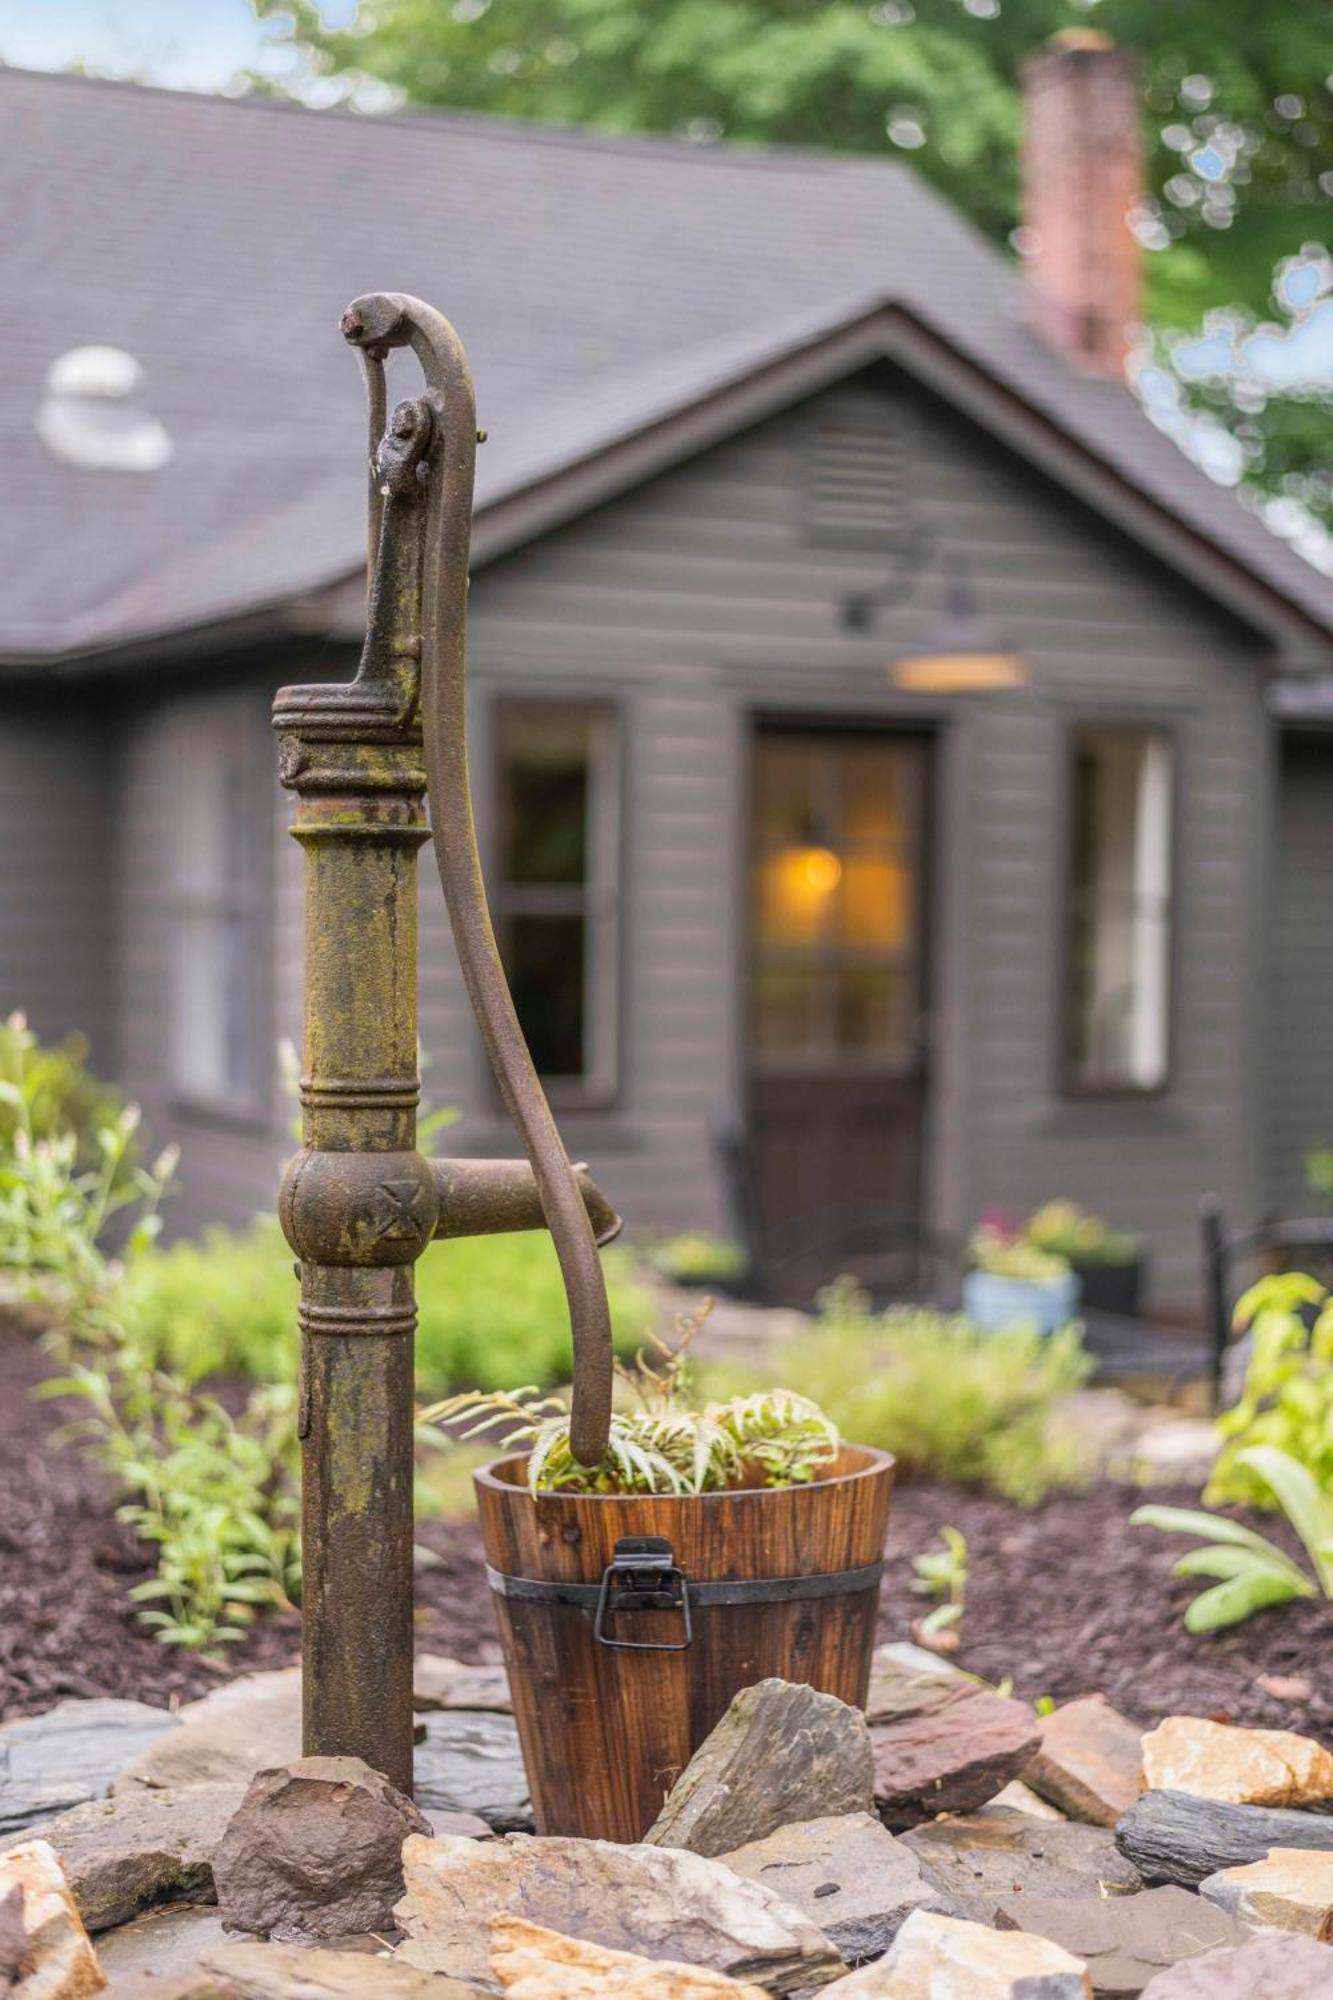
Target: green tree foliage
point(1238, 125)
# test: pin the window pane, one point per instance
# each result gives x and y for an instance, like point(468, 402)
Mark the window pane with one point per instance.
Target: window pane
point(873, 913)
point(544, 803)
point(874, 1011)
point(1119, 936)
point(557, 896)
point(546, 974)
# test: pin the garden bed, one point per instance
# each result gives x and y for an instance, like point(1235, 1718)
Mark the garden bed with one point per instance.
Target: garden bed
point(1066, 1599)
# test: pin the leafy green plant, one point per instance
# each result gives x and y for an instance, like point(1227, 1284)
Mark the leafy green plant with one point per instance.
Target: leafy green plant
point(696, 1257)
point(50, 1091)
point(491, 1308)
point(942, 1573)
point(1251, 1571)
point(948, 1400)
point(1319, 1172)
point(663, 1443)
point(1063, 1229)
point(1287, 1397)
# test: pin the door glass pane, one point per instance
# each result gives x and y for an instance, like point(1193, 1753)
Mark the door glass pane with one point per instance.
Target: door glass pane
point(873, 912)
point(796, 889)
point(785, 804)
point(874, 1011)
point(786, 1011)
point(875, 812)
point(546, 974)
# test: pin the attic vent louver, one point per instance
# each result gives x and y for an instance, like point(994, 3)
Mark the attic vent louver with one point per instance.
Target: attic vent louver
point(88, 415)
point(854, 476)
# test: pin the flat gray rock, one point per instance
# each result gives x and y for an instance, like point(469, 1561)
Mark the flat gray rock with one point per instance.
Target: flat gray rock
point(1176, 1837)
point(1125, 1940)
point(980, 1861)
point(315, 1852)
point(848, 1875)
point(123, 1855)
point(469, 1761)
point(657, 1902)
point(163, 1944)
point(439, 1682)
point(1272, 1967)
point(250, 1724)
point(71, 1753)
point(782, 1753)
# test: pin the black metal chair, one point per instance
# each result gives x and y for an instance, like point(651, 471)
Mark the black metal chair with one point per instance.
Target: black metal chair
point(1275, 1244)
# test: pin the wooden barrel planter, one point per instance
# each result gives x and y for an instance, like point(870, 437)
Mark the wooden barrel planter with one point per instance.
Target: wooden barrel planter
point(630, 1621)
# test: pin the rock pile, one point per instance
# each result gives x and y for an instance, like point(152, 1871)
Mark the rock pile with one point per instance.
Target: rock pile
point(946, 1841)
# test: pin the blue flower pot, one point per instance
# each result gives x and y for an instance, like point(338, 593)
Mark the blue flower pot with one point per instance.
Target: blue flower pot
point(994, 1302)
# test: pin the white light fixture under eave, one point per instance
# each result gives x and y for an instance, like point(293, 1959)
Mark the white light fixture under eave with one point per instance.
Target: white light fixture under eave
point(964, 656)
point(89, 415)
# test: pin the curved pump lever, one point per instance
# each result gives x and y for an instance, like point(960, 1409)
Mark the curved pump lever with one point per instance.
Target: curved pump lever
point(433, 441)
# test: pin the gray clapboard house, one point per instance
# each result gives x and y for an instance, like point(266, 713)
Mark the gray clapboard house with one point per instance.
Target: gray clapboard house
point(762, 894)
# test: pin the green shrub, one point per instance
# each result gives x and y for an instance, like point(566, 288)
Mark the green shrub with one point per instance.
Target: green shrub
point(948, 1400)
point(492, 1308)
point(1287, 1398)
point(50, 1092)
point(697, 1257)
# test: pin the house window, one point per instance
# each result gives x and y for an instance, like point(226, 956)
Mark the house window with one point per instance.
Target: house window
point(217, 844)
point(1119, 944)
point(558, 893)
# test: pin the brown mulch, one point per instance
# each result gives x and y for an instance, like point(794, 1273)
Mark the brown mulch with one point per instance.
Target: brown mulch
point(1066, 1600)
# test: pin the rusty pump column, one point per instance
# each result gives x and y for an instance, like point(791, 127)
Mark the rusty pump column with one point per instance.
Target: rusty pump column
point(359, 1204)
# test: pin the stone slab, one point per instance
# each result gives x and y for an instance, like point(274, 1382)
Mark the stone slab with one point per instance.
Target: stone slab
point(123, 1855)
point(1090, 1763)
point(1174, 1837)
point(70, 1753)
point(941, 1742)
point(981, 1860)
point(848, 1874)
point(783, 1752)
point(941, 1958)
point(1252, 1767)
point(1291, 1889)
point(470, 1761)
point(1124, 1940)
point(1268, 1968)
point(654, 1902)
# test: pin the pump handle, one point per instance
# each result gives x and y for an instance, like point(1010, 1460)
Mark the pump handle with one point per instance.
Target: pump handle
point(373, 325)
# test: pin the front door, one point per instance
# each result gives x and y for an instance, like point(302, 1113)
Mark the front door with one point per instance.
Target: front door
point(836, 1003)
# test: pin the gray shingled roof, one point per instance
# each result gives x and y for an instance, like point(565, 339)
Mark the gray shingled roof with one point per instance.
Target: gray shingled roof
point(595, 282)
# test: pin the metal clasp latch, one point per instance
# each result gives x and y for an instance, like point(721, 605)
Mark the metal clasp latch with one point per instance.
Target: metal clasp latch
point(643, 1575)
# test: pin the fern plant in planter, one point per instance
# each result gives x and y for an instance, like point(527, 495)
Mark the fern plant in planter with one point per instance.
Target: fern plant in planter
point(661, 1444)
point(712, 1546)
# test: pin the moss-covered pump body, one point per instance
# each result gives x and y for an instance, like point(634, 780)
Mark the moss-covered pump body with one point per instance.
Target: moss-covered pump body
point(359, 1203)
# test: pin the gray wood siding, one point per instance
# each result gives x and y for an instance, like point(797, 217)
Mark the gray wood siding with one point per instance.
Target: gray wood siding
point(57, 770)
point(1299, 983)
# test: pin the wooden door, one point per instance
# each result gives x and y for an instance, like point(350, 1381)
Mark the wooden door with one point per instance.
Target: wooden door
point(836, 1003)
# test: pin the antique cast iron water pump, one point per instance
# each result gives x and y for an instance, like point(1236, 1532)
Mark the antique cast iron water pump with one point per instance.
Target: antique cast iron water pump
point(359, 1203)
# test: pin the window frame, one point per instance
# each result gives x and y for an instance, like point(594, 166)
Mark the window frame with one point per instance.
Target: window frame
point(239, 717)
point(1167, 729)
point(601, 901)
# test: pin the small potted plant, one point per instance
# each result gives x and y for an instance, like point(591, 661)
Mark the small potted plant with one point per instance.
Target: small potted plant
point(1012, 1282)
point(1110, 1263)
point(714, 1545)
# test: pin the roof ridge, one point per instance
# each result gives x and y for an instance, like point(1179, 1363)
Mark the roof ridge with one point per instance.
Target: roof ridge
point(766, 154)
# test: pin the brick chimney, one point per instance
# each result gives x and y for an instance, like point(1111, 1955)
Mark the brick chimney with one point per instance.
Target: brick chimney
point(1082, 174)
